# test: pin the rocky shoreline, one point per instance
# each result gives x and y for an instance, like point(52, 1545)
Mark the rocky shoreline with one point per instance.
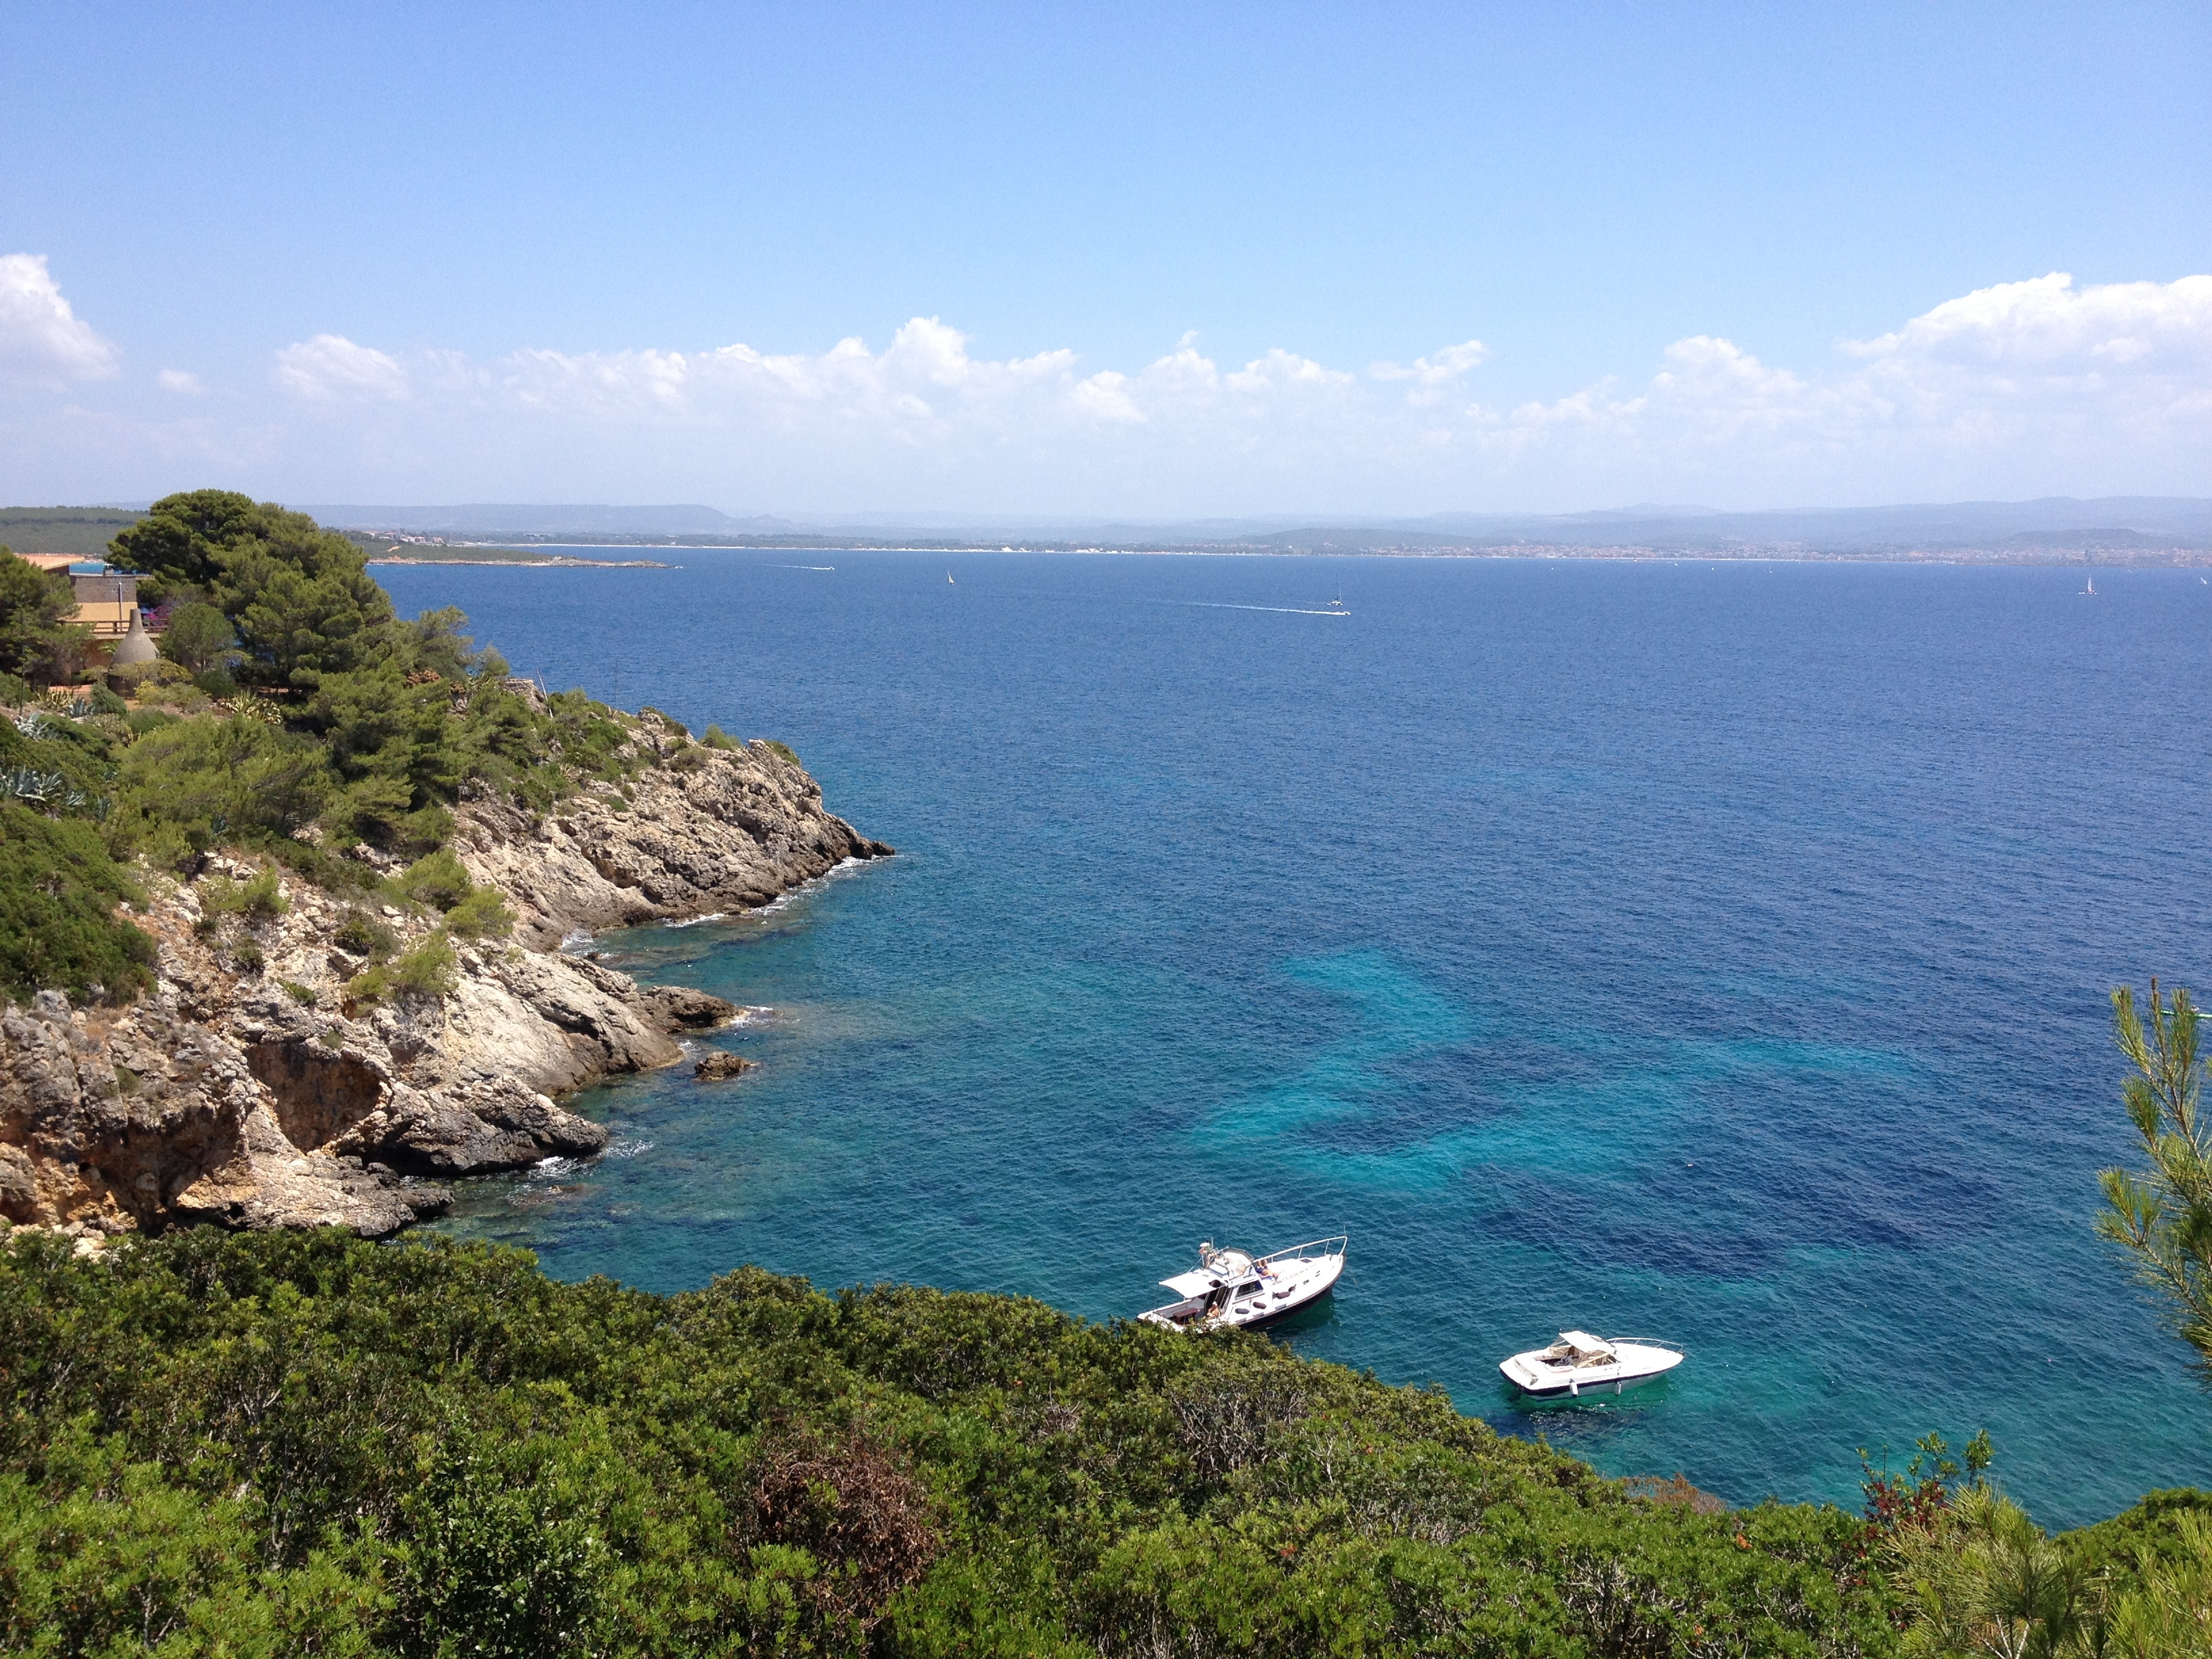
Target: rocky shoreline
point(242, 1092)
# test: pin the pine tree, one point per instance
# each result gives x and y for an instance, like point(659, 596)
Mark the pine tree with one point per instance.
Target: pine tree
point(2163, 1215)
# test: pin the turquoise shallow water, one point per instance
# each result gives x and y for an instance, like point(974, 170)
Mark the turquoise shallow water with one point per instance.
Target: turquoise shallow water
point(1715, 953)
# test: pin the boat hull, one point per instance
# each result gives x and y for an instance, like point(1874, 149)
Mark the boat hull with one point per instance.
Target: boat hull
point(1298, 1306)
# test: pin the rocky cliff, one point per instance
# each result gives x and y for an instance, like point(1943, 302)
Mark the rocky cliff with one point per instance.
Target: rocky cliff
point(257, 1087)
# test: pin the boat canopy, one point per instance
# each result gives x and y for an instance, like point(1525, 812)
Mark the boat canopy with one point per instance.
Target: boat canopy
point(1194, 1283)
point(1585, 1342)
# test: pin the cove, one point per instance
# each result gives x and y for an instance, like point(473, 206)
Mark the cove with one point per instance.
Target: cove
point(1712, 953)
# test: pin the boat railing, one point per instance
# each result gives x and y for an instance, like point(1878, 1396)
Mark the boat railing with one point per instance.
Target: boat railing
point(1334, 1245)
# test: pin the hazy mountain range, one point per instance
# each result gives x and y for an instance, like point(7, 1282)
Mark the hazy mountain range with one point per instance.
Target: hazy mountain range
point(2112, 529)
point(2118, 525)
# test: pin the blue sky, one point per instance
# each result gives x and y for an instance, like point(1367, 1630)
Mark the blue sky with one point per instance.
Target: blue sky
point(503, 247)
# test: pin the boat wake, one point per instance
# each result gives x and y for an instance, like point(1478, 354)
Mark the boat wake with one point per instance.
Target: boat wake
point(1282, 610)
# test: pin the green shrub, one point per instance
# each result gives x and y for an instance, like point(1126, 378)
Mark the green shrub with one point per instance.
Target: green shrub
point(436, 879)
point(361, 934)
point(782, 749)
point(716, 738)
point(482, 915)
point(216, 683)
point(59, 930)
point(262, 898)
point(366, 989)
point(259, 897)
point(140, 678)
point(327, 869)
point(38, 640)
point(105, 701)
point(303, 994)
point(198, 637)
point(192, 785)
point(428, 968)
point(248, 957)
point(186, 699)
point(15, 691)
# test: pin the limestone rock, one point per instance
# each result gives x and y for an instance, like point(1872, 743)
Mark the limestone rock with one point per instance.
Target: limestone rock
point(267, 1100)
point(679, 1007)
point(714, 1067)
point(731, 830)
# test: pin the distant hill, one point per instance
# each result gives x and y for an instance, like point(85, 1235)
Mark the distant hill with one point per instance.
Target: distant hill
point(2031, 530)
point(491, 519)
point(83, 531)
point(2111, 529)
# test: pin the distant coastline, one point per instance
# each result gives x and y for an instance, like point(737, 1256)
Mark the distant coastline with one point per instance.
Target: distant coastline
point(2114, 530)
point(2179, 557)
point(2141, 532)
point(530, 559)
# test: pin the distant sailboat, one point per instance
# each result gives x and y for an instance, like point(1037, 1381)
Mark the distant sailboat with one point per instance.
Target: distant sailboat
point(949, 581)
point(2090, 592)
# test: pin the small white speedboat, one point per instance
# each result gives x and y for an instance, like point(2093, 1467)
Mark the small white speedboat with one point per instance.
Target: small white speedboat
point(1579, 1366)
point(1230, 1290)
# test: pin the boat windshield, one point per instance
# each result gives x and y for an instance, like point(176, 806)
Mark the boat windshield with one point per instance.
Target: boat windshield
point(1578, 1348)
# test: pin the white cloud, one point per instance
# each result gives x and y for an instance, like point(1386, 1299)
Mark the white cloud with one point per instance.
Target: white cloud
point(2049, 325)
point(2026, 388)
point(1444, 368)
point(329, 366)
point(2132, 361)
point(2005, 362)
point(179, 381)
point(42, 341)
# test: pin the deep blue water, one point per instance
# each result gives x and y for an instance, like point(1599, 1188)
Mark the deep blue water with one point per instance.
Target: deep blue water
point(1712, 952)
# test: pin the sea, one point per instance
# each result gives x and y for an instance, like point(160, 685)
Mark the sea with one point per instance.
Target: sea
point(1719, 952)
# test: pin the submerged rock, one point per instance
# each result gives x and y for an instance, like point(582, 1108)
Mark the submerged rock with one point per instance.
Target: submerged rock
point(680, 1007)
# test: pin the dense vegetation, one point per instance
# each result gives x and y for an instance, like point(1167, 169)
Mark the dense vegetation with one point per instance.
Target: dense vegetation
point(306, 1444)
point(292, 714)
point(37, 639)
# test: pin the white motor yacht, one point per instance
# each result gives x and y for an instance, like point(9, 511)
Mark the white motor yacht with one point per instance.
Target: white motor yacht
point(1230, 1290)
point(1579, 1365)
